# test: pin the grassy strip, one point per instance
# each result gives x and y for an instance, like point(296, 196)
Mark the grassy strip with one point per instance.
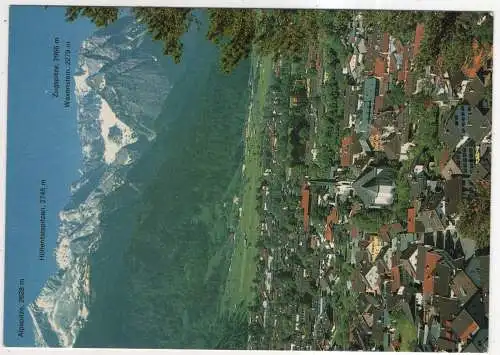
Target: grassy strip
point(243, 267)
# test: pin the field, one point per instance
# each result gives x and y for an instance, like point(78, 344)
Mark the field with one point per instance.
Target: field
point(243, 267)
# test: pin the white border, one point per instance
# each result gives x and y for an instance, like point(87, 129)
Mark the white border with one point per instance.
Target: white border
point(463, 5)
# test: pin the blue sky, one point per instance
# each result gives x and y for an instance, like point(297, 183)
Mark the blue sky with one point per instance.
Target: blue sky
point(42, 143)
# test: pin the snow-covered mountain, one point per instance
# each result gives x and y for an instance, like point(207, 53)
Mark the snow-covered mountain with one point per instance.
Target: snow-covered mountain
point(120, 86)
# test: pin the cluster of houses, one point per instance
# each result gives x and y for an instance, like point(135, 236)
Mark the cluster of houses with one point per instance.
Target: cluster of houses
point(420, 269)
point(444, 297)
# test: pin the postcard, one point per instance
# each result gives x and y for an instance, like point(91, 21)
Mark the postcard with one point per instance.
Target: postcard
point(249, 179)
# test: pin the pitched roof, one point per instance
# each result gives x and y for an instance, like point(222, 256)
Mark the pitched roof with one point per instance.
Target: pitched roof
point(379, 68)
point(479, 125)
point(442, 279)
point(478, 269)
point(408, 252)
point(419, 35)
point(453, 194)
point(379, 104)
point(392, 147)
point(367, 185)
point(385, 43)
point(426, 264)
point(464, 326)
point(463, 287)
point(474, 92)
point(450, 169)
point(480, 340)
point(305, 203)
point(477, 309)
point(395, 229)
point(411, 220)
point(345, 151)
point(396, 279)
point(383, 232)
point(357, 282)
point(430, 220)
point(331, 219)
point(447, 307)
point(443, 344)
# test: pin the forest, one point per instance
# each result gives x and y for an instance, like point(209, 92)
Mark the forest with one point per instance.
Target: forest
point(159, 274)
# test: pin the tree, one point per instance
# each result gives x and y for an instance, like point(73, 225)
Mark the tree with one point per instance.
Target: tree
point(100, 16)
point(237, 32)
point(372, 220)
point(474, 222)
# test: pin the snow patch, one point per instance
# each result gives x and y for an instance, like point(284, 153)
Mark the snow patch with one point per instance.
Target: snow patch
point(108, 119)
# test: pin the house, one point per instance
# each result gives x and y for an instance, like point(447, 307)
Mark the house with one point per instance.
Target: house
point(430, 220)
point(482, 169)
point(442, 278)
point(467, 120)
point(305, 204)
point(408, 259)
point(426, 264)
point(476, 307)
point(411, 220)
point(443, 344)
point(374, 246)
point(450, 169)
point(463, 288)
point(331, 219)
point(464, 326)
point(401, 243)
point(350, 148)
point(474, 92)
point(396, 279)
point(447, 308)
point(372, 277)
point(358, 283)
point(370, 91)
point(453, 190)
point(419, 35)
point(478, 269)
point(375, 186)
point(480, 342)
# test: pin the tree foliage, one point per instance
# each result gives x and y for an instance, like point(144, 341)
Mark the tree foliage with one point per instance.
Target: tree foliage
point(474, 222)
point(372, 220)
point(235, 31)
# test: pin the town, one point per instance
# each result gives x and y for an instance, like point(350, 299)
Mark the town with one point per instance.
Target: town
point(373, 197)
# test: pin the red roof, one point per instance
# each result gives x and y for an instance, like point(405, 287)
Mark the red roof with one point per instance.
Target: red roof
point(354, 232)
point(328, 233)
point(411, 220)
point(471, 329)
point(345, 151)
point(305, 205)
point(431, 260)
point(379, 68)
point(419, 35)
point(332, 218)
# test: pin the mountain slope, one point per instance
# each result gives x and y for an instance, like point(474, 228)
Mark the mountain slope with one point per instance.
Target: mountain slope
point(115, 127)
